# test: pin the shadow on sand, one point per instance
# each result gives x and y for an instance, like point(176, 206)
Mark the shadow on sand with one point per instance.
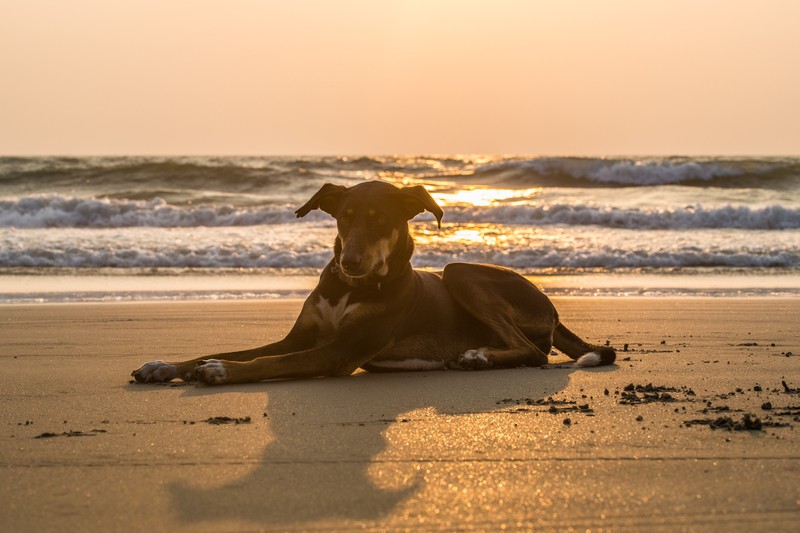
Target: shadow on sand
point(329, 436)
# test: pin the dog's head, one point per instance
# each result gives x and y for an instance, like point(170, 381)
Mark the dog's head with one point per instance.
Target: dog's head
point(372, 219)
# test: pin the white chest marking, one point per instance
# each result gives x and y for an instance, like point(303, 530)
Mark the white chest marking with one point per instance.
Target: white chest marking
point(331, 316)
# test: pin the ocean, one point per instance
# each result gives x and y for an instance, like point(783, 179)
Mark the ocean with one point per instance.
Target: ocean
point(185, 228)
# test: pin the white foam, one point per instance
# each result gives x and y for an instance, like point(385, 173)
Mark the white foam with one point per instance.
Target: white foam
point(54, 211)
point(774, 217)
point(297, 246)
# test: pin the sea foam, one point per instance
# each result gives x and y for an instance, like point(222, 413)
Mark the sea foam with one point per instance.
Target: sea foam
point(54, 211)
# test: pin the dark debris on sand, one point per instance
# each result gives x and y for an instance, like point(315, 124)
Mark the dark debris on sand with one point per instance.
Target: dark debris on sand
point(723, 417)
point(748, 422)
point(789, 390)
point(92, 433)
point(217, 420)
point(639, 394)
point(553, 406)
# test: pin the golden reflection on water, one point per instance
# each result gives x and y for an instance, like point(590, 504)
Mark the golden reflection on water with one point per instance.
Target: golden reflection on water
point(485, 235)
point(448, 193)
point(485, 197)
point(457, 234)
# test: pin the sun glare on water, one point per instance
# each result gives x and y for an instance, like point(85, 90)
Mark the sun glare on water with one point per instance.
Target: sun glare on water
point(455, 236)
point(484, 197)
point(472, 234)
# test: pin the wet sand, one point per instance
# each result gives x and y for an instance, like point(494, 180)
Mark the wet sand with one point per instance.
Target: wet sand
point(81, 448)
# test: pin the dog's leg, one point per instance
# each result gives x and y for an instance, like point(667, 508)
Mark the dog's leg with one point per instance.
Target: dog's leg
point(513, 308)
point(584, 353)
point(365, 333)
point(483, 358)
point(334, 359)
point(301, 337)
point(519, 350)
point(159, 371)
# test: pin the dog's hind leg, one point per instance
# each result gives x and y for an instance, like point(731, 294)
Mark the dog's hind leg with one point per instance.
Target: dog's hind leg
point(584, 353)
point(519, 315)
point(482, 358)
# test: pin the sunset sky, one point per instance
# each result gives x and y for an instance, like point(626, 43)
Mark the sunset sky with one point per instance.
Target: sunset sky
point(258, 77)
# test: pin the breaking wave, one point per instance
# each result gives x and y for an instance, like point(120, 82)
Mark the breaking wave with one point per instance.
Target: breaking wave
point(301, 175)
point(238, 212)
point(255, 255)
point(54, 211)
point(601, 172)
point(774, 217)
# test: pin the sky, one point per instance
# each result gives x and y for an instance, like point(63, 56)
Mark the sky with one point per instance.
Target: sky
point(338, 77)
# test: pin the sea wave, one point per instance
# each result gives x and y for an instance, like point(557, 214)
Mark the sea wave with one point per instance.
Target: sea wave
point(55, 211)
point(301, 175)
point(603, 172)
point(255, 256)
point(552, 258)
point(140, 175)
point(775, 217)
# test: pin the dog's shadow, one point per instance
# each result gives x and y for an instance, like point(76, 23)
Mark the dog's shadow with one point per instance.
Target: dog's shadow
point(347, 448)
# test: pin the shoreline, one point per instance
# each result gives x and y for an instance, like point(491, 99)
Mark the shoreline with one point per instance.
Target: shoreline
point(118, 287)
point(299, 300)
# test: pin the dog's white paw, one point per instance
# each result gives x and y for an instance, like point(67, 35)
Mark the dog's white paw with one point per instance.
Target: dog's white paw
point(589, 359)
point(474, 359)
point(211, 372)
point(155, 371)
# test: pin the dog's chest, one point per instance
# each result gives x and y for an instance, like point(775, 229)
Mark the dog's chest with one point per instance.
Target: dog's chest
point(329, 317)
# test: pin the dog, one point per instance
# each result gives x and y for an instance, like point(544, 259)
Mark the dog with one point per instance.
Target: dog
point(372, 310)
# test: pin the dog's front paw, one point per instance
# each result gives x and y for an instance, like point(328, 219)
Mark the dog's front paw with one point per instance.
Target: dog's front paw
point(211, 372)
point(155, 371)
point(474, 360)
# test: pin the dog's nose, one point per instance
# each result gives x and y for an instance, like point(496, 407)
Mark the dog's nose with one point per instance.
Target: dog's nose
point(350, 261)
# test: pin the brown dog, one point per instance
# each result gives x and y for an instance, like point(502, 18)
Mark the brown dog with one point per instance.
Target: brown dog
point(371, 310)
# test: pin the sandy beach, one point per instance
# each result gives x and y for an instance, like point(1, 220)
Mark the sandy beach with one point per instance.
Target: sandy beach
point(645, 443)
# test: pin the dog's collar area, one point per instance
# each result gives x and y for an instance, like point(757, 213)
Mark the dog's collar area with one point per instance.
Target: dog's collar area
point(336, 269)
point(368, 280)
point(362, 281)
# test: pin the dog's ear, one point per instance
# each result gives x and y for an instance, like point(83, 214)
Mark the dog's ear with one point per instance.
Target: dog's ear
point(327, 198)
point(416, 200)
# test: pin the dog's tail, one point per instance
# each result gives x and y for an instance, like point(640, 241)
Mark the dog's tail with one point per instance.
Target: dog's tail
point(585, 354)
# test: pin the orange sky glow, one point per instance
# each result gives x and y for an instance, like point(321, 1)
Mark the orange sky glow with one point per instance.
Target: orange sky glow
point(257, 77)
